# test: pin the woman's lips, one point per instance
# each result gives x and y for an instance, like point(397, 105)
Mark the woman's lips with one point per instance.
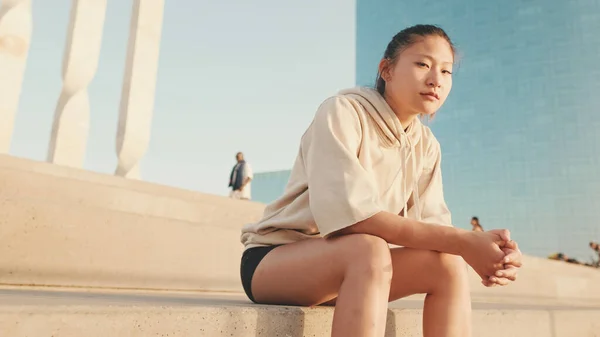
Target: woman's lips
point(430, 96)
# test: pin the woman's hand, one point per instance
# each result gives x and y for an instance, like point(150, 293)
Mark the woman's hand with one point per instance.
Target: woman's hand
point(483, 251)
point(512, 262)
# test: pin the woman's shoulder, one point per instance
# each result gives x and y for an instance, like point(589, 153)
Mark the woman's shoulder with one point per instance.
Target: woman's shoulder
point(339, 100)
point(349, 104)
point(339, 107)
point(336, 115)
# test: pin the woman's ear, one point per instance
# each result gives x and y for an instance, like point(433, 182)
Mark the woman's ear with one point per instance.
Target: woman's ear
point(384, 69)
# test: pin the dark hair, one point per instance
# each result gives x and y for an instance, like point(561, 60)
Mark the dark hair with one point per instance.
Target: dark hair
point(475, 218)
point(404, 39)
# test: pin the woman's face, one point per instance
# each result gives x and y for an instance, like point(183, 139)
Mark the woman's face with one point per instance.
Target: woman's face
point(420, 80)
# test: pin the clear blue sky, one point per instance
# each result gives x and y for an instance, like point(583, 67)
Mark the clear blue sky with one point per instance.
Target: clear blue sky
point(233, 76)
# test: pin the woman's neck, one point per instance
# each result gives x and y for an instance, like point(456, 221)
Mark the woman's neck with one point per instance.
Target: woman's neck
point(404, 117)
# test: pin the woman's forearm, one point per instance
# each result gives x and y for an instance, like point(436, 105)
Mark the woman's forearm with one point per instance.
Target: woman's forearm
point(411, 233)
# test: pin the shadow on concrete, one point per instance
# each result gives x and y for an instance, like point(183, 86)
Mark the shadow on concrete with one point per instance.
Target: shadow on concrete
point(390, 325)
point(279, 321)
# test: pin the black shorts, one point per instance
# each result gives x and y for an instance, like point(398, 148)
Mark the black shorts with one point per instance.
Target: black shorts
point(250, 260)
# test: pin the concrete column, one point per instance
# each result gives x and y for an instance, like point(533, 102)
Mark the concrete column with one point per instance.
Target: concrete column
point(15, 36)
point(82, 51)
point(139, 83)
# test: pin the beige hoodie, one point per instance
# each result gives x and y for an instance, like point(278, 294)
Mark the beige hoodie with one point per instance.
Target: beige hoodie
point(355, 160)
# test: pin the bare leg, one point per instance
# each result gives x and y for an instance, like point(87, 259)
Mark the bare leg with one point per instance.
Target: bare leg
point(354, 268)
point(357, 270)
point(363, 296)
point(444, 278)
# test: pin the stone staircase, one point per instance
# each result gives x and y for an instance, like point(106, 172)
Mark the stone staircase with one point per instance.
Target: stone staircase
point(88, 254)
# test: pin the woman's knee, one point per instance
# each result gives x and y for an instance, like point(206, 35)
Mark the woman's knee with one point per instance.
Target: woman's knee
point(449, 271)
point(368, 256)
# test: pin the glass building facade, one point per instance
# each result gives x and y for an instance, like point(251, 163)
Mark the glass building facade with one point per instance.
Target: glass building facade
point(268, 186)
point(519, 131)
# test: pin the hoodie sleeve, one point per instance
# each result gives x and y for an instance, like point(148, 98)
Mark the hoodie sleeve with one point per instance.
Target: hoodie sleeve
point(341, 192)
point(431, 197)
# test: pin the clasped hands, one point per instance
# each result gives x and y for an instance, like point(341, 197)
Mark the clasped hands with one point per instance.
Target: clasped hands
point(493, 255)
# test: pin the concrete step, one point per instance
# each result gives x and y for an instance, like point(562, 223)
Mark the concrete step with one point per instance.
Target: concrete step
point(75, 313)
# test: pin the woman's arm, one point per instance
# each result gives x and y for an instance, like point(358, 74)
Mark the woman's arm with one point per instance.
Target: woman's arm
point(402, 231)
point(341, 191)
point(481, 250)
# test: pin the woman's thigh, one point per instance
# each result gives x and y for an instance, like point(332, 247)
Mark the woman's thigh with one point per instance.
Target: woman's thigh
point(418, 271)
point(310, 272)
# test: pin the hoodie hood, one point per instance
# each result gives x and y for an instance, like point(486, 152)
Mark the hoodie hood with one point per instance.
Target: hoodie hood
point(393, 134)
point(391, 130)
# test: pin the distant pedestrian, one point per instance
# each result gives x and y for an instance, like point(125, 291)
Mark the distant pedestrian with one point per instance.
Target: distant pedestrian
point(476, 225)
point(596, 247)
point(240, 178)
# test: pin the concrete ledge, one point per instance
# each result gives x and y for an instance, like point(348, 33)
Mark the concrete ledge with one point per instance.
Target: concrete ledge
point(69, 314)
point(50, 243)
point(22, 178)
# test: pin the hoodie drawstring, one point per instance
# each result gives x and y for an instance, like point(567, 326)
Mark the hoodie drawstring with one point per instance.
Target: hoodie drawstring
point(415, 190)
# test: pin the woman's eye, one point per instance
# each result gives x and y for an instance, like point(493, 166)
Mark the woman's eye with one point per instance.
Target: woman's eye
point(447, 72)
point(421, 64)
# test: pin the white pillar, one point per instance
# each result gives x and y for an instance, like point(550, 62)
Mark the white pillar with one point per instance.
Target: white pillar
point(15, 36)
point(82, 51)
point(137, 100)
